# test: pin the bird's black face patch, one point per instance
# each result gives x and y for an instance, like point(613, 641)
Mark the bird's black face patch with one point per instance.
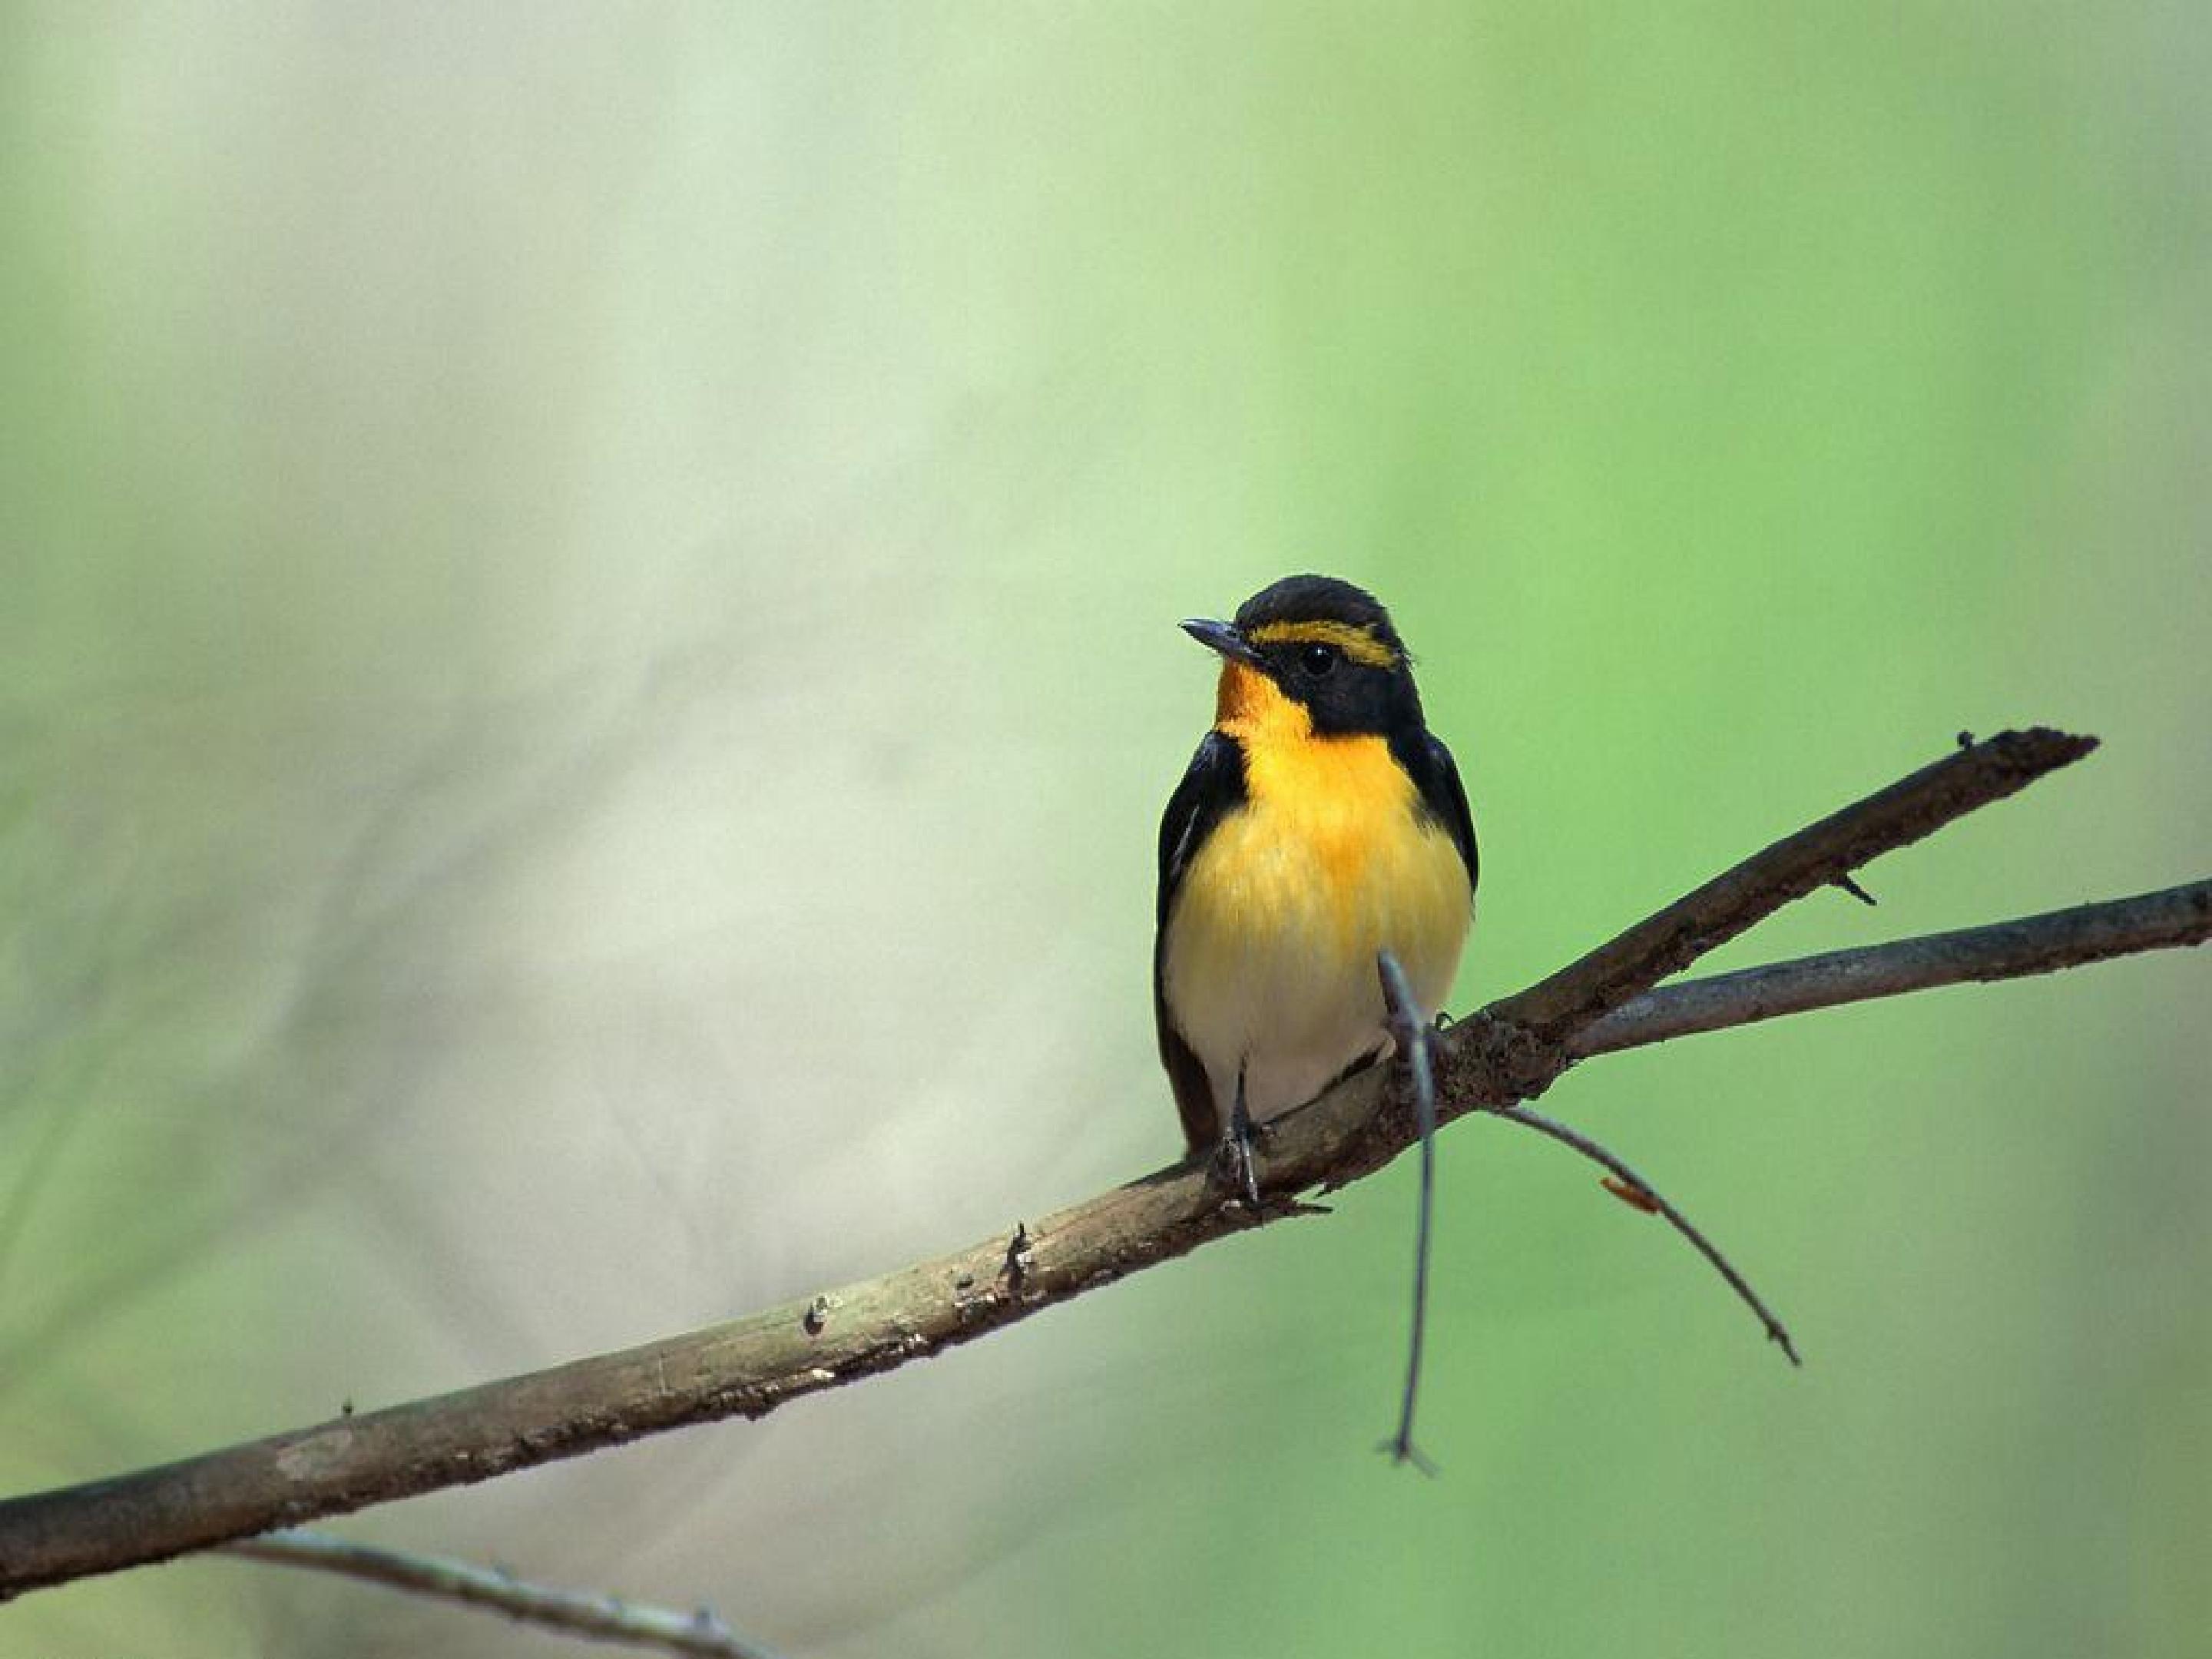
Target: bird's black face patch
point(1340, 693)
point(1331, 648)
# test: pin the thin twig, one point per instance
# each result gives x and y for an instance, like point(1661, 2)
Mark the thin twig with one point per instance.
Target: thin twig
point(749, 1367)
point(1416, 1033)
point(1641, 1191)
point(2006, 950)
point(605, 1617)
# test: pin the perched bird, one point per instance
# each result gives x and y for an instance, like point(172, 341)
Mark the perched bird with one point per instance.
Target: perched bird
point(1318, 824)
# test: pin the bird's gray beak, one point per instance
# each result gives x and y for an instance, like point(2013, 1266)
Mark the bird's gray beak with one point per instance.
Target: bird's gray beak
point(1222, 637)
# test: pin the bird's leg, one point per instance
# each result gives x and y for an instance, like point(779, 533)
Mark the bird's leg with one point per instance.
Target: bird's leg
point(1233, 1159)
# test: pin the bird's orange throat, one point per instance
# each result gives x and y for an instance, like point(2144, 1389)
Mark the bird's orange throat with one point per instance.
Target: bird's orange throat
point(1247, 704)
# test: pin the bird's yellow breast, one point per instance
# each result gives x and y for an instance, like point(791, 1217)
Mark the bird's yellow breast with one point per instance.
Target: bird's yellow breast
point(1270, 955)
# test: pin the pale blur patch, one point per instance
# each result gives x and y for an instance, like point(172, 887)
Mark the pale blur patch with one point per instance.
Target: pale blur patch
point(550, 798)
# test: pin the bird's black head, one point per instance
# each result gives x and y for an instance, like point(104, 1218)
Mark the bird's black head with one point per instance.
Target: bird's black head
point(1324, 645)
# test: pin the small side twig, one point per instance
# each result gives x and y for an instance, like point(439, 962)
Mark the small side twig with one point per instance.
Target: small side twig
point(1644, 1196)
point(1413, 1031)
point(606, 1618)
point(1854, 889)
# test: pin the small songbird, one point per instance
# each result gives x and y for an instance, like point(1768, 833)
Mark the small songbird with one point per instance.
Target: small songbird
point(1319, 824)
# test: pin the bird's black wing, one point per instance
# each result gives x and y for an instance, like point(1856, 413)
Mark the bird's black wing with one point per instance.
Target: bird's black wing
point(1211, 787)
point(1429, 763)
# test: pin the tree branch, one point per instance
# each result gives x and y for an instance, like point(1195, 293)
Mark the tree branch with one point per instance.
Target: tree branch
point(1509, 1052)
point(605, 1617)
point(2005, 950)
point(1816, 856)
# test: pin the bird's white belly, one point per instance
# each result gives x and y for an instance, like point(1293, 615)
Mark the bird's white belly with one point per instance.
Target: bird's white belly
point(1270, 957)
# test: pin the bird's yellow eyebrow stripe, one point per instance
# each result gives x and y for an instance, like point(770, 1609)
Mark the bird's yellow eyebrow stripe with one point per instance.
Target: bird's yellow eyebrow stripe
point(1359, 644)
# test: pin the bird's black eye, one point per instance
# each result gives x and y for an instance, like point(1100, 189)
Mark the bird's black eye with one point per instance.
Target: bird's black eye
point(1317, 660)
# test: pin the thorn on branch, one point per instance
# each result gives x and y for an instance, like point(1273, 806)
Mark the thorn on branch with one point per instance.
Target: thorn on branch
point(1019, 1257)
point(1851, 887)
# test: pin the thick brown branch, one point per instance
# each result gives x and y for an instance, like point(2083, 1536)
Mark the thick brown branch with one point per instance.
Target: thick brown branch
point(746, 1367)
point(2007, 950)
point(1670, 940)
point(603, 1618)
point(751, 1366)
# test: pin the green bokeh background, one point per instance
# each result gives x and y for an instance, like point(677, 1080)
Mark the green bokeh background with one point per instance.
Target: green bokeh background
point(588, 665)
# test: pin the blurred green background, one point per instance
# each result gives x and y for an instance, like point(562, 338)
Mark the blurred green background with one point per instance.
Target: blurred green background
point(590, 666)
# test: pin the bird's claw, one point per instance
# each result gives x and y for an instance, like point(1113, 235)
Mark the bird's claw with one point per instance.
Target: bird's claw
point(1233, 1163)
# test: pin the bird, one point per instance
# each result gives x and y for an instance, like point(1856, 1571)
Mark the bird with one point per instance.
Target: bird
point(1319, 823)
